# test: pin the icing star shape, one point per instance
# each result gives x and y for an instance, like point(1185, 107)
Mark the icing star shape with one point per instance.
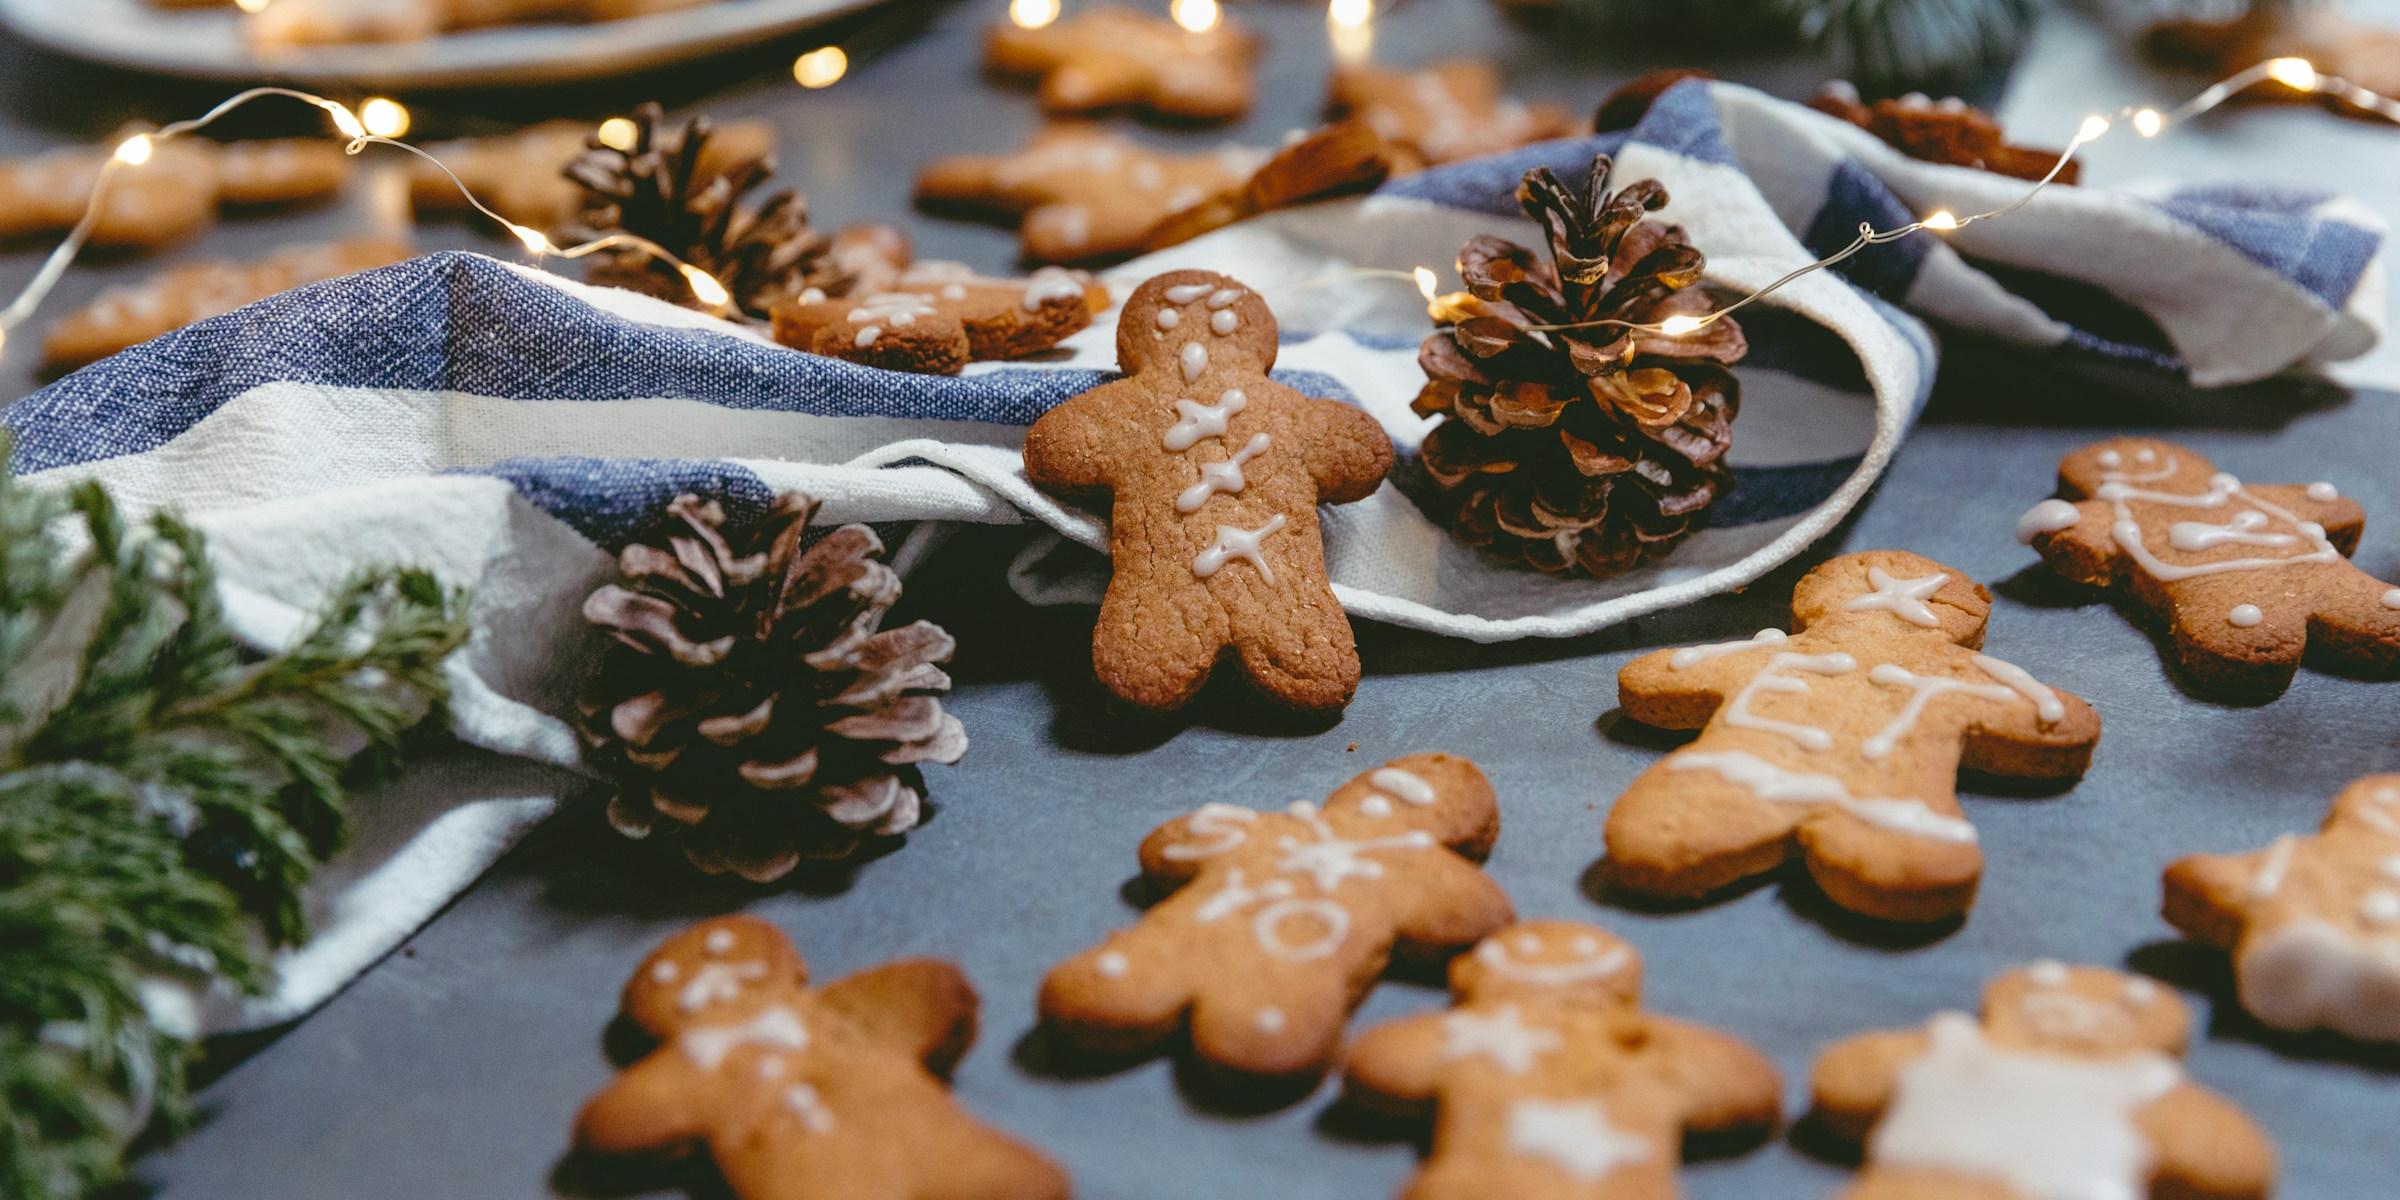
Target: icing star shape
point(1500, 1035)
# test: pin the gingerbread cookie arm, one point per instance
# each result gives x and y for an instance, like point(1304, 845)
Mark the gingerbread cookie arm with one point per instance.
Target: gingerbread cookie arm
point(1068, 446)
point(2208, 895)
point(2050, 736)
point(2075, 538)
point(1855, 1079)
point(1458, 906)
point(1727, 1087)
point(1891, 874)
point(2205, 1146)
point(979, 1163)
point(922, 1007)
point(1683, 687)
point(1396, 1068)
point(655, 1104)
point(1348, 452)
point(2342, 518)
point(965, 180)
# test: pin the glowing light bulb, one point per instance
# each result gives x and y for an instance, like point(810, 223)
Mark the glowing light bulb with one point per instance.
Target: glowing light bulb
point(535, 243)
point(1425, 282)
point(1680, 324)
point(705, 286)
point(251, 6)
point(344, 119)
point(821, 68)
point(618, 134)
point(1941, 219)
point(2295, 73)
point(2147, 122)
point(135, 150)
point(1351, 24)
point(1350, 14)
point(383, 118)
point(1032, 14)
point(1199, 16)
point(2093, 126)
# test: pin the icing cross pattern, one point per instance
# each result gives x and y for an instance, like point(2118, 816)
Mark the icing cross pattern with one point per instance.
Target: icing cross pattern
point(1324, 860)
point(1197, 422)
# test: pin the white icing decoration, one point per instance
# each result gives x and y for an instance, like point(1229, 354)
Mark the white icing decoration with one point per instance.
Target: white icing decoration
point(1195, 360)
point(775, 1026)
point(2323, 492)
point(1903, 598)
point(1923, 691)
point(1223, 298)
point(1224, 322)
point(1410, 788)
point(716, 983)
point(1220, 823)
point(896, 309)
point(1496, 958)
point(2140, 991)
point(1270, 1020)
point(1329, 860)
point(2050, 516)
point(1223, 476)
point(1502, 1037)
point(2244, 616)
point(2305, 973)
point(771, 1067)
point(1692, 656)
point(2389, 868)
point(1168, 318)
point(1574, 1136)
point(2222, 490)
point(804, 1102)
point(1111, 965)
point(1375, 806)
point(663, 972)
point(954, 291)
point(2391, 599)
point(2379, 907)
point(1237, 895)
point(1047, 284)
point(866, 336)
point(2271, 871)
point(1529, 943)
point(720, 941)
point(1235, 543)
point(2052, 1127)
point(2242, 530)
point(1185, 293)
point(2047, 707)
point(1772, 679)
point(1197, 422)
point(2049, 972)
point(1586, 944)
point(1776, 785)
point(1267, 927)
point(812, 295)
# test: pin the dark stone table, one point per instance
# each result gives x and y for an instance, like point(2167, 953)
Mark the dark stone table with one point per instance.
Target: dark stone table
point(452, 1069)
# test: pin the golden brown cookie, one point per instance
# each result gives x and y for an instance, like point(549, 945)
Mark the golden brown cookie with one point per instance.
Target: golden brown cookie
point(1839, 744)
point(802, 1093)
point(2330, 38)
point(1214, 473)
point(1442, 113)
point(521, 174)
point(1546, 1081)
point(2069, 1085)
point(1115, 57)
point(2312, 922)
point(1281, 921)
point(174, 194)
point(2245, 577)
point(1950, 132)
point(1343, 157)
point(1081, 193)
point(939, 316)
point(122, 317)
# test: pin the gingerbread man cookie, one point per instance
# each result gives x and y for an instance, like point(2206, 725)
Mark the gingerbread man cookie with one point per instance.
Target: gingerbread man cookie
point(1281, 921)
point(1214, 473)
point(173, 195)
point(1839, 744)
point(1546, 1081)
point(1948, 131)
point(1343, 157)
point(939, 316)
point(128, 316)
point(1081, 193)
point(1442, 113)
point(2246, 577)
point(2313, 923)
point(804, 1093)
point(2069, 1087)
point(1116, 57)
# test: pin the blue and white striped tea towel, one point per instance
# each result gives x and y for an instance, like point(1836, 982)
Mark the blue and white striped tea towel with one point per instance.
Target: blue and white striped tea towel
point(511, 430)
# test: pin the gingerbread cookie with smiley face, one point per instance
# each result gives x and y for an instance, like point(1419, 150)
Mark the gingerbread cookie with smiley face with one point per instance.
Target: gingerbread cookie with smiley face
point(806, 1093)
point(1109, 57)
point(937, 317)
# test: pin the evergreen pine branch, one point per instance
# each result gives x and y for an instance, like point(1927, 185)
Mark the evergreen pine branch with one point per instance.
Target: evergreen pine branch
point(160, 816)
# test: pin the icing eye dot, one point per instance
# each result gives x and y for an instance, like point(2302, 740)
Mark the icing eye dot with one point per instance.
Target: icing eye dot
point(1112, 965)
point(1270, 1020)
point(719, 941)
point(1168, 318)
point(2322, 491)
point(1587, 945)
point(1529, 944)
point(2245, 616)
point(1225, 321)
point(2140, 991)
point(2110, 458)
point(2391, 599)
point(1375, 806)
point(2048, 973)
point(664, 972)
point(2145, 455)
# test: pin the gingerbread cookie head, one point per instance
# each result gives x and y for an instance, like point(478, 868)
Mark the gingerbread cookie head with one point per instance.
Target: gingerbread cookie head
point(2312, 922)
point(717, 971)
point(1565, 962)
point(1909, 588)
point(2133, 462)
point(1183, 328)
point(1114, 57)
point(938, 317)
point(2083, 1010)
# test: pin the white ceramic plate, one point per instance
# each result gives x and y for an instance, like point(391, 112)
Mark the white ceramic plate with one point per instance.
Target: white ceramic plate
point(208, 43)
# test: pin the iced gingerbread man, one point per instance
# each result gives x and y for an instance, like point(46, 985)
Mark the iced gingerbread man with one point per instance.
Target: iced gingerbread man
point(804, 1093)
point(2247, 577)
point(2313, 922)
point(1215, 473)
point(2069, 1087)
point(1546, 1081)
point(1281, 921)
point(1839, 744)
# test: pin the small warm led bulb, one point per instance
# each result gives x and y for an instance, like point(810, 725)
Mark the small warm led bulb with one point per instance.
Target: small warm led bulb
point(2295, 73)
point(135, 150)
point(2093, 126)
point(1199, 16)
point(821, 68)
point(251, 6)
point(1350, 14)
point(2147, 122)
point(705, 286)
point(1425, 282)
point(1680, 324)
point(1941, 219)
point(383, 118)
point(1032, 14)
point(535, 243)
point(344, 119)
point(617, 133)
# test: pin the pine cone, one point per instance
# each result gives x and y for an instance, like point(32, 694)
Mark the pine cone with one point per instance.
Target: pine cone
point(750, 704)
point(669, 189)
point(1589, 450)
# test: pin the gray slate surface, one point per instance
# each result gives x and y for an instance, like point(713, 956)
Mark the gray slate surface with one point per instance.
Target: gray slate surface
point(453, 1068)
